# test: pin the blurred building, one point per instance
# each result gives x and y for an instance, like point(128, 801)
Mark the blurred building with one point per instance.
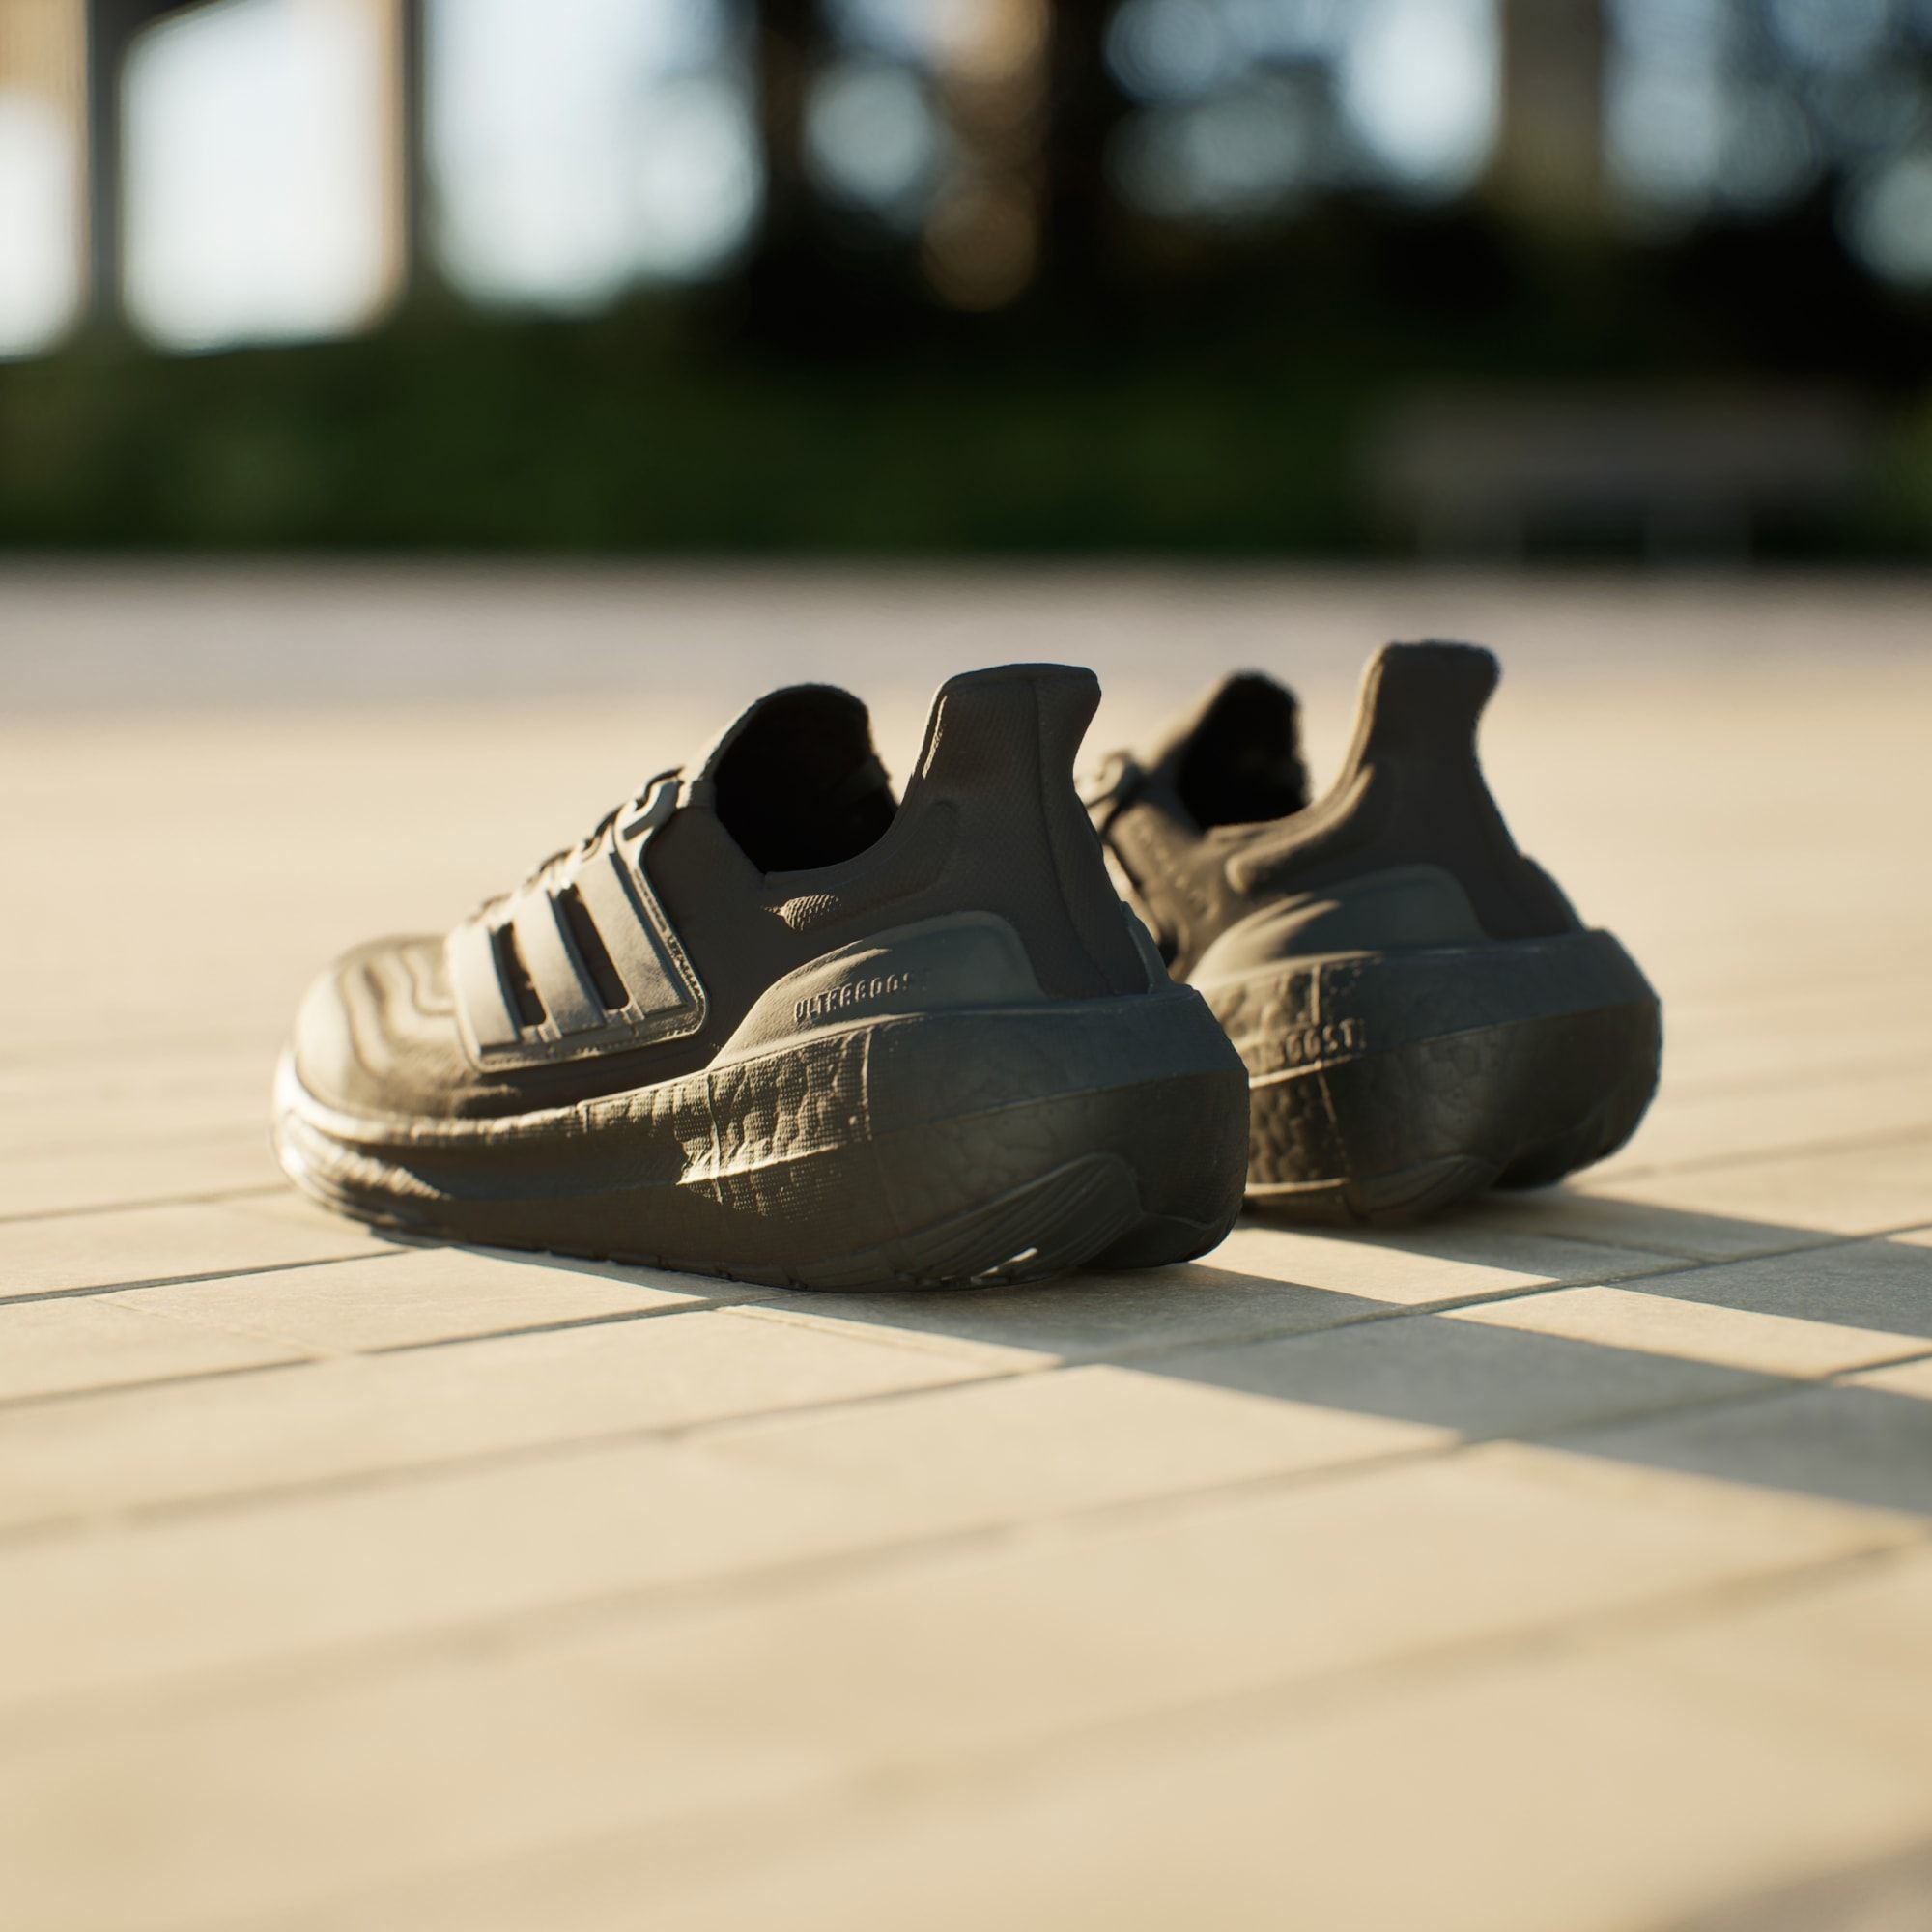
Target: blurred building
point(1281, 242)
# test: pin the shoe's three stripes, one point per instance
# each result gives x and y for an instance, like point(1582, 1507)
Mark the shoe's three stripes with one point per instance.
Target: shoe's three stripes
point(588, 946)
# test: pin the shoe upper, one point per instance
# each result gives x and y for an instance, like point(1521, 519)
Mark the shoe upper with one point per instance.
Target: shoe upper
point(633, 957)
point(1218, 848)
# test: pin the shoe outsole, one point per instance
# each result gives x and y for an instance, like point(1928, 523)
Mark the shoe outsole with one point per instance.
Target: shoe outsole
point(1385, 1087)
point(935, 1150)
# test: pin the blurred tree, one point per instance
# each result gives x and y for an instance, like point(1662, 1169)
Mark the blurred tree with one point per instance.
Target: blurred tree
point(1021, 104)
point(1082, 111)
point(112, 28)
point(982, 233)
point(1744, 111)
point(800, 292)
point(1548, 167)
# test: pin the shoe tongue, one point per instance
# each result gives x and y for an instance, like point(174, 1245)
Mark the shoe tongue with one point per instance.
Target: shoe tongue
point(796, 781)
point(1236, 756)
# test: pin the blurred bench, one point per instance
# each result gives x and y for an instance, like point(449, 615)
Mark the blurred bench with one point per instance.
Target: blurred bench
point(1709, 474)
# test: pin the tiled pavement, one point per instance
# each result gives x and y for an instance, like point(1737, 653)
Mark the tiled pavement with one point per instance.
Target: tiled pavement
point(1560, 1565)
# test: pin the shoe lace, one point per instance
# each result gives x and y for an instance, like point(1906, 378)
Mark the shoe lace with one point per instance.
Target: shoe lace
point(584, 847)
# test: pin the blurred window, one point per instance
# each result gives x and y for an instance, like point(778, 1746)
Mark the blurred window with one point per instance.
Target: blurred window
point(582, 147)
point(39, 224)
point(41, 173)
point(257, 142)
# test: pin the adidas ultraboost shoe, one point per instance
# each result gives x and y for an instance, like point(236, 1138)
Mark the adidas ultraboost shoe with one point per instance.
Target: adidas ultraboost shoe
point(1421, 1013)
point(770, 1022)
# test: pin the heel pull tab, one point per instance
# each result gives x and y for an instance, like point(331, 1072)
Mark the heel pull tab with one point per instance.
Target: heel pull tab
point(982, 719)
point(1412, 792)
point(1423, 702)
point(1000, 749)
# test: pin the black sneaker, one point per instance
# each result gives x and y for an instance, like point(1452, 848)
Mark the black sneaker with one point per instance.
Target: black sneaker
point(1421, 1013)
point(770, 1022)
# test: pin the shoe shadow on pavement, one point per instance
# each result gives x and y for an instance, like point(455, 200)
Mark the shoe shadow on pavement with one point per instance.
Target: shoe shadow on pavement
point(1889, 1894)
point(1778, 1356)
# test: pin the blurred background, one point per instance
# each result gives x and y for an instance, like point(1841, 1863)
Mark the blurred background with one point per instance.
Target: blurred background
point(1450, 279)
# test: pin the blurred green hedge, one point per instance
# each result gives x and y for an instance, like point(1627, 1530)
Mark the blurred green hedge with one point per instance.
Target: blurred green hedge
point(1221, 410)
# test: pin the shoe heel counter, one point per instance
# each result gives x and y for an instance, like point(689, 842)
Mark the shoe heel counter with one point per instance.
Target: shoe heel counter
point(999, 754)
point(1412, 792)
point(957, 962)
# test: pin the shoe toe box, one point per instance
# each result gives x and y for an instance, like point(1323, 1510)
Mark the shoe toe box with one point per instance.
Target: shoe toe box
point(376, 1032)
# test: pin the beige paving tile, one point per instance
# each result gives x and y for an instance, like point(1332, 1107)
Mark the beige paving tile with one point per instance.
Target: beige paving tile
point(142, 1098)
point(1526, 1790)
point(74, 1179)
point(455, 1760)
point(1655, 1322)
point(1476, 1252)
point(1634, 1215)
point(1079, 1438)
point(1858, 1440)
point(1263, 1280)
point(1853, 1190)
point(1887, 1893)
point(1847, 1657)
point(809, 1309)
point(1180, 1609)
point(845, 1684)
point(171, 1598)
point(1805, 1032)
point(165, 1243)
point(1890, 1098)
point(1575, 1795)
point(166, 1600)
point(1906, 1378)
point(87, 1017)
point(332, 1421)
point(89, 1342)
point(412, 1295)
point(1462, 1378)
point(1869, 1289)
point(1088, 1315)
point(289, 1207)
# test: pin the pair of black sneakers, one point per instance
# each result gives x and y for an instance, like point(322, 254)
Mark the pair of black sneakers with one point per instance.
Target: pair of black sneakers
point(771, 1021)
